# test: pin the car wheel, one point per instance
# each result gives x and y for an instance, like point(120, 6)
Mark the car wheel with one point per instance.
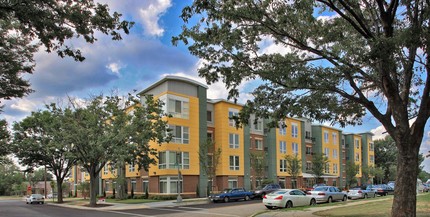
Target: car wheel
point(365, 196)
point(269, 207)
point(26, 202)
point(313, 202)
point(226, 200)
point(345, 198)
point(246, 198)
point(43, 202)
point(329, 200)
point(289, 204)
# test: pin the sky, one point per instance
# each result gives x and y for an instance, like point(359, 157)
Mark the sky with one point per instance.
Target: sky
point(140, 59)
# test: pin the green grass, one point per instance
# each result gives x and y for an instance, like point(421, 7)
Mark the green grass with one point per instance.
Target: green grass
point(130, 201)
point(376, 208)
point(11, 197)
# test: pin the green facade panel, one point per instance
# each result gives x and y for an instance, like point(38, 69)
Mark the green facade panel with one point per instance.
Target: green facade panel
point(203, 179)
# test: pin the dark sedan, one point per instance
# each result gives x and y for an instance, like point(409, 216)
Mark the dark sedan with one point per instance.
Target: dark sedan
point(231, 194)
point(383, 190)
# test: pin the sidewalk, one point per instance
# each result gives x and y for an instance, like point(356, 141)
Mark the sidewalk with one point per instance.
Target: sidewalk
point(121, 206)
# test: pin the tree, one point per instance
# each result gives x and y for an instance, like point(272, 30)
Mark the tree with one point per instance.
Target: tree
point(327, 60)
point(112, 129)
point(294, 168)
point(352, 170)
point(385, 156)
point(318, 165)
point(27, 25)
point(209, 157)
point(42, 139)
point(4, 141)
point(10, 177)
point(258, 164)
point(84, 188)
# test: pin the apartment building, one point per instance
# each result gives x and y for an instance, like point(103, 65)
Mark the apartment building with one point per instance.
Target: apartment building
point(249, 154)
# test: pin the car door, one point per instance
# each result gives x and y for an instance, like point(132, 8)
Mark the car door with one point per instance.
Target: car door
point(302, 199)
point(334, 193)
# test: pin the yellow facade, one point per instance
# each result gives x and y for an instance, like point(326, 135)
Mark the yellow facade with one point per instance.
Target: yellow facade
point(193, 145)
point(289, 140)
point(357, 152)
point(222, 132)
point(332, 143)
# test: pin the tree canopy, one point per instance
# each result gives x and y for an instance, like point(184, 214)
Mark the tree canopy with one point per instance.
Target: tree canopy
point(4, 140)
point(27, 25)
point(327, 60)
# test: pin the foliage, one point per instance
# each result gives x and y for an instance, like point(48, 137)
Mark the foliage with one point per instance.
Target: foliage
point(258, 164)
point(294, 167)
point(424, 176)
point(352, 170)
point(115, 129)
point(318, 165)
point(84, 188)
point(42, 139)
point(209, 158)
point(330, 61)
point(28, 25)
point(4, 141)
point(39, 175)
point(11, 179)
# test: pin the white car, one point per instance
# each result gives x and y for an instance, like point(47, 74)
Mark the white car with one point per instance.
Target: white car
point(288, 198)
point(361, 192)
point(35, 198)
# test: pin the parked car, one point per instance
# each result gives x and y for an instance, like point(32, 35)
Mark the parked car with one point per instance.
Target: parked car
point(314, 186)
point(392, 184)
point(35, 198)
point(328, 194)
point(426, 188)
point(383, 189)
point(359, 192)
point(420, 186)
point(231, 194)
point(288, 198)
point(269, 188)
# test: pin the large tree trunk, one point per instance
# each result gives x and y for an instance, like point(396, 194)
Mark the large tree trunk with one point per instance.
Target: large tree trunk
point(121, 183)
point(404, 203)
point(93, 188)
point(60, 190)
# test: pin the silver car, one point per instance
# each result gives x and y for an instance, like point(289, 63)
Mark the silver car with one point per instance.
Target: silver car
point(361, 192)
point(35, 198)
point(328, 194)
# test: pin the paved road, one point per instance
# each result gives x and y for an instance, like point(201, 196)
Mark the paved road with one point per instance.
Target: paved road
point(15, 208)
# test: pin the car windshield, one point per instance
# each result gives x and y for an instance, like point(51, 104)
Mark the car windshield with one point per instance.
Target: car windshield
point(321, 188)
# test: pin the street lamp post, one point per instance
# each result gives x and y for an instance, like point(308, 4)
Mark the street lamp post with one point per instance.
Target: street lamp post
point(44, 176)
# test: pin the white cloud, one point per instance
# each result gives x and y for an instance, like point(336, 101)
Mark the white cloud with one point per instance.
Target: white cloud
point(379, 133)
point(115, 67)
point(24, 105)
point(151, 14)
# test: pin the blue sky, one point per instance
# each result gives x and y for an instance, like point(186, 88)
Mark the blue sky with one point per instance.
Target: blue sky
point(141, 58)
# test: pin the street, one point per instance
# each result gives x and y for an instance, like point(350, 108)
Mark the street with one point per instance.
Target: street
point(14, 208)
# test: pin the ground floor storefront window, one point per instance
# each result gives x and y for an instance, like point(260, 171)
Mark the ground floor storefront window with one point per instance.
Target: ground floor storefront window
point(170, 185)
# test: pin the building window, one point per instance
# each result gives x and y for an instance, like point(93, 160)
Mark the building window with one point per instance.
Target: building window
point(309, 150)
point(325, 136)
point(357, 157)
point(107, 186)
point(282, 147)
point(258, 125)
point(209, 116)
point(131, 167)
point(232, 183)
point(295, 147)
point(145, 185)
point(334, 153)
point(170, 160)
point(308, 135)
point(106, 169)
point(372, 159)
point(233, 140)
point(170, 185)
point(210, 136)
point(232, 113)
point(294, 130)
point(334, 168)
point(327, 152)
point(308, 165)
point(180, 134)
point(282, 165)
point(357, 144)
point(334, 137)
point(282, 128)
point(372, 146)
point(281, 182)
point(327, 168)
point(258, 144)
point(234, 162)
point(133, 185)
point(176, 106)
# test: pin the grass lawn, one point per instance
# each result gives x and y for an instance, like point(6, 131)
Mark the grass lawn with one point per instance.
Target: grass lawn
point(377, 208)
